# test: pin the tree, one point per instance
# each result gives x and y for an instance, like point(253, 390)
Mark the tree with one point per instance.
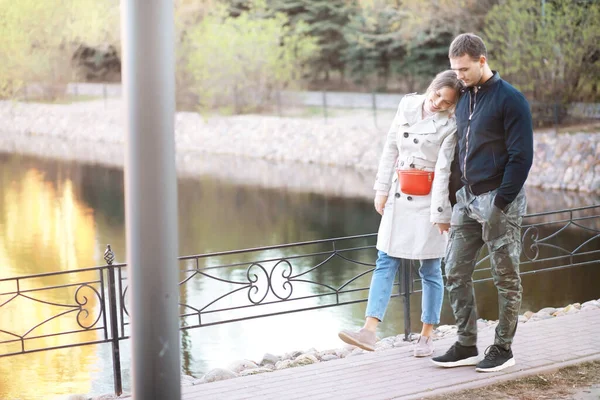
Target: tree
point(373, 47)
point(38, 38)
point(428, 29)
point(326, 20)
point(555, 56)
point(237, 63)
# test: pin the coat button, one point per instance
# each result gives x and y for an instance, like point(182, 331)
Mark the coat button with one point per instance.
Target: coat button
point(440, 209)
point(416, 140)
point(401, 163)
point(397, 195)
point(405, 134)
point(409, 198)
point(412, 165)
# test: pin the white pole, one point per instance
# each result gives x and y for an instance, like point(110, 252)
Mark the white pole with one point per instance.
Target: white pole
point(151, 196)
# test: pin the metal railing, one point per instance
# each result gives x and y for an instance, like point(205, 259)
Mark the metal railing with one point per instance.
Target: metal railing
point(257, 282)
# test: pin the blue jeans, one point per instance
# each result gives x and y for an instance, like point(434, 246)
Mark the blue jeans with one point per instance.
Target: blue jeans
point(383, 281)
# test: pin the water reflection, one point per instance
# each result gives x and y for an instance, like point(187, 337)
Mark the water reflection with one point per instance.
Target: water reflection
point(44, 227)
point(57, 216)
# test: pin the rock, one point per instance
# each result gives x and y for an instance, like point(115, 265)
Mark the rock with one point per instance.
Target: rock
point(283, 364)
point(305, 359)
point(199, 381)
point(269, 358)
point(329, 357)
point(238, 366)
point(523, 319)
point(539, 317)
point(342, 353)
point(327, 353)
point(291, 355)
point(254, 371)
point(547, 310)
point(384, 345)
point(388, 340)
point(585, 308)
point(481, 324)
point(401, 343)
point(296, 354)
point(217, 374)
point(446, 328)
point(187, 380)
point(572, 308)
point(591, 303)
point(356, 352)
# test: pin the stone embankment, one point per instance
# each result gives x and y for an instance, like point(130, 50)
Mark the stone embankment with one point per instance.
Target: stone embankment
point(270, 362)
point(337, 156)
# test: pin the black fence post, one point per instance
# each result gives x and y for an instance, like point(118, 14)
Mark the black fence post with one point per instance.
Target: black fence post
point(406, 287)
point(109, 257)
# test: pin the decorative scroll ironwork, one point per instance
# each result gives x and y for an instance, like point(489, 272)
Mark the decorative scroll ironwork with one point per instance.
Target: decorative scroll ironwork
point(542, 242)
point(531, 237)
point(274, 280)
point(82, 308)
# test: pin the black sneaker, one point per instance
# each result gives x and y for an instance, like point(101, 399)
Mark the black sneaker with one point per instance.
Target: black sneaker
point(496, 359)
point(458, 356)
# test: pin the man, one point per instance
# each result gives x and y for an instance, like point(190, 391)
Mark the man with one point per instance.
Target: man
point(495, 153)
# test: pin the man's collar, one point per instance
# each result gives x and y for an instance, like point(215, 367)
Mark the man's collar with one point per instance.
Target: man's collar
point(490, 82)
point(487, 84)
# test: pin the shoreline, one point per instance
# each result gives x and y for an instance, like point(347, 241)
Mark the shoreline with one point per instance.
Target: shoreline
point(337, 158)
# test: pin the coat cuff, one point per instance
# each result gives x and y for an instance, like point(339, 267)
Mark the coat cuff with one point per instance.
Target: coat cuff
point(381, 187)
point(440, 215)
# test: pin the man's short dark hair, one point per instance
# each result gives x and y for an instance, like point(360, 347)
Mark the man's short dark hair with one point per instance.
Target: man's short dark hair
point(469, 44)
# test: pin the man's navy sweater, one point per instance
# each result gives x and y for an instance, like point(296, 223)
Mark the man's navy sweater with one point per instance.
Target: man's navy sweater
point(495, 139)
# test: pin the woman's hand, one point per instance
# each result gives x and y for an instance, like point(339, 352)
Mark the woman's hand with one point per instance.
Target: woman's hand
point(380, 200)
point(443, 227)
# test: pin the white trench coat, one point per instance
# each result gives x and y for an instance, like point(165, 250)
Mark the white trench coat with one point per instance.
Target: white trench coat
point(407, 227)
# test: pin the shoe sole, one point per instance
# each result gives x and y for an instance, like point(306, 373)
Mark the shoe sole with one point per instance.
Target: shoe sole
point(350, 340)
point(423, 355)
point(507, 364)
point(460, 363)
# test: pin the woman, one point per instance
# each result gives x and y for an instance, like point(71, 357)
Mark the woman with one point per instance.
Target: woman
point(412, 197)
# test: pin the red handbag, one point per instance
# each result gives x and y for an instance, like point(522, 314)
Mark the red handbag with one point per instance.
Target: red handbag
point(415, 181)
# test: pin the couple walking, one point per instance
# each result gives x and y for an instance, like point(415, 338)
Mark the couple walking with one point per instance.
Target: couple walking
point(471, 116)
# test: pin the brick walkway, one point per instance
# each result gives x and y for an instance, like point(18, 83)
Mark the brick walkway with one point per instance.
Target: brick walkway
point(394, 374)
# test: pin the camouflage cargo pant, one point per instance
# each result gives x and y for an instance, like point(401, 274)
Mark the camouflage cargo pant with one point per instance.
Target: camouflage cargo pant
point(477, 221)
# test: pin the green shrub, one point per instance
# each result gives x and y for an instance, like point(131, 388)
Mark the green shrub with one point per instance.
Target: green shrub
point(238, 63)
